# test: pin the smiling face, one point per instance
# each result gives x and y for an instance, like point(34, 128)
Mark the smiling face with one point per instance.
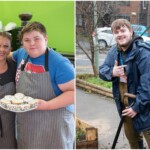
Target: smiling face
point(5, 48)
point(34, 43)
point(123, 36)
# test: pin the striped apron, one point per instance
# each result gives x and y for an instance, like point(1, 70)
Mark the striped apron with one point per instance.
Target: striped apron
point(43, 129)
point(7, 120)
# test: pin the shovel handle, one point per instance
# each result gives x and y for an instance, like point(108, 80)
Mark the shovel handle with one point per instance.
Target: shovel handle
point(122, 120)
point(129, 95)
point(117, 133)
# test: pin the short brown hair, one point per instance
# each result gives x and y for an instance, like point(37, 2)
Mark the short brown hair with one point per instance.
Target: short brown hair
point(119, 23)
point(6, 35)
point(33, 26)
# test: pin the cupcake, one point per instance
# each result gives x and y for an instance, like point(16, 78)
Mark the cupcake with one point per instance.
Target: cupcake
point(24, 107)
point(9, 97)
point(17, 101)
point(16, 108)
point(33, 103)
point(4, 102)
point(19, 96)
point(11, 107)
point(27, 99)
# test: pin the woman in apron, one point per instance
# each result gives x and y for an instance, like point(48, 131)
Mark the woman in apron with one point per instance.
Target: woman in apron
point(7, 87)
point(49, 77)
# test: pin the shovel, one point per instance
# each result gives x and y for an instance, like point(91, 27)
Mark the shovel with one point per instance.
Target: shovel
point(1, 127)
point(122, 119)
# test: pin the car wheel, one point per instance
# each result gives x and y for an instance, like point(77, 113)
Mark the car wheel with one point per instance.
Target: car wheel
point(102, 44)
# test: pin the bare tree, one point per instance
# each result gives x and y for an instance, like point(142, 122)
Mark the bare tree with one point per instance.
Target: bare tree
point(86, 25)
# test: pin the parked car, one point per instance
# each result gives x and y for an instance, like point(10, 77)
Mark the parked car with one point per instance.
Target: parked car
point(140, 29)
point(106, 39)
point(146, 39)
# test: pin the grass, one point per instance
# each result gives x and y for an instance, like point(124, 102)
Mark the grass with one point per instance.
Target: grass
point(95, 80)
point(99, 82)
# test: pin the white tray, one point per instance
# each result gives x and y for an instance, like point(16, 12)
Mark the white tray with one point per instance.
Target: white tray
point(16, 108)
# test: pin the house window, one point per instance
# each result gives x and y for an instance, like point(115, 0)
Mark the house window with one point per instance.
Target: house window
point(144, 4)
point(123, 3)
point(123, 16)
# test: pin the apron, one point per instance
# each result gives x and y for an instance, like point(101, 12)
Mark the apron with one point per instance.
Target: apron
point(43, 129)
point(7, 120)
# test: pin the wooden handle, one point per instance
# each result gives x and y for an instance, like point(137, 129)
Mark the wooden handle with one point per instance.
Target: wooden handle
point(129, 95)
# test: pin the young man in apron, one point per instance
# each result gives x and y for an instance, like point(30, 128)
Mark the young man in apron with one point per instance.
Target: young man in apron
point(49, 77)
point(7, 87)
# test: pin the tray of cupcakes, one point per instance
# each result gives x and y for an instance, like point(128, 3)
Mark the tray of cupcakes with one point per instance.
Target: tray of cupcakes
point(18, 103)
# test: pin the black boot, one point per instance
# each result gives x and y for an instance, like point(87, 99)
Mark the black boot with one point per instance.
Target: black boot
point(141, 144)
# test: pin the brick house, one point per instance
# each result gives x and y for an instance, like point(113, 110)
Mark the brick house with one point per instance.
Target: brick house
point(137, 12)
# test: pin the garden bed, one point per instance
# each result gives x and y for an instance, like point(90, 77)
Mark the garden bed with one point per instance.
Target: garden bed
point(86, 135)
point(96, 86)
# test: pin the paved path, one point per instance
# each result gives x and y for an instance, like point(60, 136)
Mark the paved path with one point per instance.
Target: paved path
point(100, 112)
point(83, 65)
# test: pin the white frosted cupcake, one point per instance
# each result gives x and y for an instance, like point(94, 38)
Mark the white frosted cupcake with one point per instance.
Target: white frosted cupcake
point(25, 107)
point(19, 95)
point(33, 103)
point(16, 107)
point(27, 99)
point(17, 101)
point(9, 97)
point(12, 107)
point(4, 102)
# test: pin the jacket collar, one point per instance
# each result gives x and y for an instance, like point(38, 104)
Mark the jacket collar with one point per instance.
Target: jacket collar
point(132, 49)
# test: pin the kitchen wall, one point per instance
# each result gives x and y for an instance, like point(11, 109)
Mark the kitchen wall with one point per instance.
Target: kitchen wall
point(57, 16)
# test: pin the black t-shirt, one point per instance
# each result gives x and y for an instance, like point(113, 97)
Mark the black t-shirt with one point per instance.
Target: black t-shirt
point(9, 75)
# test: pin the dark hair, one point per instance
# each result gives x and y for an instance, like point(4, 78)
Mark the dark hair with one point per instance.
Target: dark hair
point(6, 35)
point(119, 23)
point(33, 26)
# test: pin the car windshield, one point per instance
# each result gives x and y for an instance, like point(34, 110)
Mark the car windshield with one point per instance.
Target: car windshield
point(140, 29)
point(137, 28)
point(108, 31)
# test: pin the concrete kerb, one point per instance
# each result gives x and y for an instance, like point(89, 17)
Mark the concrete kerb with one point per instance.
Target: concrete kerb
point(93, 88)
